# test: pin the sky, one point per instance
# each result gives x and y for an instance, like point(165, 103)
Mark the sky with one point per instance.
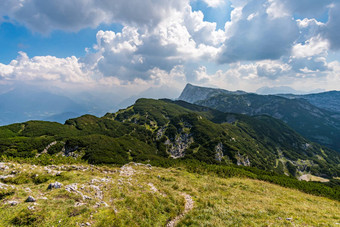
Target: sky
point(123, 48)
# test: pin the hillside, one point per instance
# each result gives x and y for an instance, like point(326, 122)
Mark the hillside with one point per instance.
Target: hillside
point(261, 142)
point(142, 195)
point(162, 130)
point(316, 124)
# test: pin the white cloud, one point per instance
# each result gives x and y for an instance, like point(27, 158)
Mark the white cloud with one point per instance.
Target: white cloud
point(164, 42)
point(312, 47)
point(179, 39)
point(332, 30)
point(44, 68)
point(277, 9)
point(214, 3)
point(251, 76)
point(258, 31)
point(73, 15)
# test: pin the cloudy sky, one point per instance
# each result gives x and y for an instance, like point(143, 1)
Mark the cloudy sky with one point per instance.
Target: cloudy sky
point(128, 46)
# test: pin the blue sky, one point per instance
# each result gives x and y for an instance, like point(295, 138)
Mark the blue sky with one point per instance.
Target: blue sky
point(108, 46)
point(15, 37)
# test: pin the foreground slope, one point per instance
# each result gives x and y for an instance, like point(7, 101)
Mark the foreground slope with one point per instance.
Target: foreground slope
point(141, 195)
point(317, 124)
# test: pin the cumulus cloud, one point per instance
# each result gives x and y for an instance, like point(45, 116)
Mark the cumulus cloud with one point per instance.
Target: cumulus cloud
point(251, 76)
point(165, 42)
point(333, 24)
point(309, 28)
point(177, 40)
point(73, 15)
point(312, 47)
point(44, 68)
point(255, 32)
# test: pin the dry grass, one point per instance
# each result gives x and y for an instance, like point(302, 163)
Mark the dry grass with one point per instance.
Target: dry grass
point(131, 201)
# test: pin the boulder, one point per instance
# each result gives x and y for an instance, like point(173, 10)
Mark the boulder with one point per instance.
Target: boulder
point(54, 185)
point(30, 199)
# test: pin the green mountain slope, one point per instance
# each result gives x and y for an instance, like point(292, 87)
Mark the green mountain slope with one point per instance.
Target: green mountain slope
point(318, 125)
point(192, 131)
point(161, 129)
point(326, 100)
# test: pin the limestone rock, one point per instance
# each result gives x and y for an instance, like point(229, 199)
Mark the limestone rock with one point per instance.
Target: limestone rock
point(30, 199)
point(55, 185)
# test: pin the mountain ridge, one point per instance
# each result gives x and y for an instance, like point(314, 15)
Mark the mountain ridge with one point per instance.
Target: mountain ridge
point(315, 123)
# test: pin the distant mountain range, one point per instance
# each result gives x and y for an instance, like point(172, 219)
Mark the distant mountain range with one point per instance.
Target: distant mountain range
point(284, 90)
point(22, 104)
point(310, 115)
point(327, 100)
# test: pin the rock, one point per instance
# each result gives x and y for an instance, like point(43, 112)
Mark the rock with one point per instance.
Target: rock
point(94, 181)
point(219, 152)
point(148, 165)
point(178, 145)
point(289, 219)
point(71, 188)
point(31, 207)
point(98, 192)
point(87, 197)
point(127, 171)
point(55, 185)
point(105, 180)
point(30, 199)
point(153, 188)
point(3, 166)
point(78, 204)
point(101, 203)
point(12, 203)
point(6, 176)
point(6, 186)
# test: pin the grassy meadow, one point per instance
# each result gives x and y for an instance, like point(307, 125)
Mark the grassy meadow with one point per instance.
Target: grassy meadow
point(140, 195)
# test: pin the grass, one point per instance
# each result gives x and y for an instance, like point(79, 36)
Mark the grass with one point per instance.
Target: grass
point(132, 202)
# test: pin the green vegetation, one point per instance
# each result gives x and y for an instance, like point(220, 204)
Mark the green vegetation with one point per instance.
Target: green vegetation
point(153, 130)
point(318, 125)
point(138, 195)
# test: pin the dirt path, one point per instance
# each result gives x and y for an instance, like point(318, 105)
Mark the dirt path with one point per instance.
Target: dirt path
point(189, 205)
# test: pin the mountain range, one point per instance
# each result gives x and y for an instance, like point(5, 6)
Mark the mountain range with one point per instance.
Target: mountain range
point(23, 104)
point(164, 130)
point(306, 114)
